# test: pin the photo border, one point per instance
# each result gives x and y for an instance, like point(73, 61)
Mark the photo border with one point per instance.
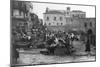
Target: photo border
point(47, 63)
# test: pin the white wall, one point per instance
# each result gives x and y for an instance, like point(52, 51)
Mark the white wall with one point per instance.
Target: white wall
point(52, 21)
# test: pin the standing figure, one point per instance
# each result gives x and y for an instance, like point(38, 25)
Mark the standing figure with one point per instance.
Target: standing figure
point(88, 43)
point(51, 42)
point(67, 45)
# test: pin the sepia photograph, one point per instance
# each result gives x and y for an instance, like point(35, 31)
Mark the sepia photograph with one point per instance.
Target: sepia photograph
point(44, 33)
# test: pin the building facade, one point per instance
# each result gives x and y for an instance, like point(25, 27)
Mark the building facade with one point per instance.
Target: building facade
point(59, 17)
point(81, 24)
point(20, 15)
point(88, 23)
point(74, 13)
point(65, 20)
point(54, 18)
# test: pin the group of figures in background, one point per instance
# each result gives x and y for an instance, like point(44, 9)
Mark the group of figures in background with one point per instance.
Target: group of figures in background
point(65, 40)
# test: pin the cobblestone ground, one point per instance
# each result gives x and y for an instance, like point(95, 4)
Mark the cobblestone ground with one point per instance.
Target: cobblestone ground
point(34, 57)
point(43, 59)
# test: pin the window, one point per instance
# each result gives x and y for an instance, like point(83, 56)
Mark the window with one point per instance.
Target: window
point(16, 3)
point(60, 18)
point(16, 13)
point(55, 18)
point(47, 18)
point(90, 24)
point(85, 24)
point(61, 23)
point(22, 14)
point(73, 16)
point(22, 4)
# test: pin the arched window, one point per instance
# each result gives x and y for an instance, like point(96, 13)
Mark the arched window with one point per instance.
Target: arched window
point(61, 23)
point(90, 31)
point(90, 24)
point(85, 24)
point(55, 18)
point(60, 18)
point(47, 18)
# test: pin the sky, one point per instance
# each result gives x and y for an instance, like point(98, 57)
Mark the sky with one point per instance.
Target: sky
point(39, 8)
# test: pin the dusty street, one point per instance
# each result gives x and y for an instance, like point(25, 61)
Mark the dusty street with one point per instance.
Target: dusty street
point(42, 59)
point(34, 57)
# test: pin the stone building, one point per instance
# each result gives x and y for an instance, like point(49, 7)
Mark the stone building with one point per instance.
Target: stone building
point(65, 20)
point(57, 20)
point(81, 24)
point(74, 13)
point(88, 23)
point(20, 15)
point(54, 18)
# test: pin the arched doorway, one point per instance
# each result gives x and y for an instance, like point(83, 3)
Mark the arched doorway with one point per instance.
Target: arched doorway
point(89, 31)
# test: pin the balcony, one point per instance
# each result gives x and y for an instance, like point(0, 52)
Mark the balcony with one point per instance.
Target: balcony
point(19, 18)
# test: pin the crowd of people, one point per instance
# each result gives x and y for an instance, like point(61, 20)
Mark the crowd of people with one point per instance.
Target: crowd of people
point(65, 39)
point(61, 39)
